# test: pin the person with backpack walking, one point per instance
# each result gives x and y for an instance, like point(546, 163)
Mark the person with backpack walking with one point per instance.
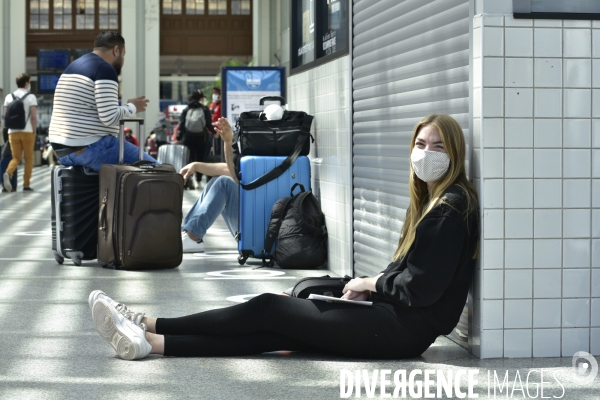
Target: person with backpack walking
point(20, 117)
point(194, 126)
point(417, 297)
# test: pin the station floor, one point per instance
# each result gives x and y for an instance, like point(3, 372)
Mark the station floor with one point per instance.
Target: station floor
point(50, 349)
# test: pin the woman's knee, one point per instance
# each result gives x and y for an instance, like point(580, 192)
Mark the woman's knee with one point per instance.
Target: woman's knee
point(264, 302)
point(225, 182)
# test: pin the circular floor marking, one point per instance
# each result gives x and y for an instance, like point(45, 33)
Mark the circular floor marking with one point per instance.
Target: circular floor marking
point(245, 274)
point(242, 298)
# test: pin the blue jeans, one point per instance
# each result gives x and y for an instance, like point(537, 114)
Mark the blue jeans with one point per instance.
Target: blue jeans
point(104, 151)
point(220, 196)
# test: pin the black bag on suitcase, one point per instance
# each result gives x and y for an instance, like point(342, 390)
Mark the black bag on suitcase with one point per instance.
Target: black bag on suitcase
point(74, 192)
point(258, 136)
point(140, 213)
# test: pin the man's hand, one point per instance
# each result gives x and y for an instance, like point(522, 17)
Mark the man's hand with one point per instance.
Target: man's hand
point(224, 130)
point(140, 103)
point(187, 171)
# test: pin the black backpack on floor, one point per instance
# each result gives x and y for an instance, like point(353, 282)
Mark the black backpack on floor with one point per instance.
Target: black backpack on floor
point(298, 225)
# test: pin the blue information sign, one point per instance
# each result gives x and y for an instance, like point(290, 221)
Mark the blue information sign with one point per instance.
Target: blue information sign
point(47, 82)
point(243, 88)
point(56, 60)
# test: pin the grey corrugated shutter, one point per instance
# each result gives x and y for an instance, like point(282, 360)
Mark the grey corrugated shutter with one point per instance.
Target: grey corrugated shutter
point(410, 59)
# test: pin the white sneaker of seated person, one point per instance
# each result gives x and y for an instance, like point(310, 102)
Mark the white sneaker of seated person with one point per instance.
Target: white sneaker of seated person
point(127, 337)
point(190, 245)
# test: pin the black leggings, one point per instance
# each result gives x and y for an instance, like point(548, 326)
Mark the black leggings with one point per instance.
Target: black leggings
point(271, 322)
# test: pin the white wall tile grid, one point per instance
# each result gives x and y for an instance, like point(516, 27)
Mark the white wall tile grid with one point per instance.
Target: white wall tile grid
point(330, 162)
point(537, 168)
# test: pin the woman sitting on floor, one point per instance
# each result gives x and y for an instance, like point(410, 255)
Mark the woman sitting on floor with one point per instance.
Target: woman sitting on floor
point(418, 297)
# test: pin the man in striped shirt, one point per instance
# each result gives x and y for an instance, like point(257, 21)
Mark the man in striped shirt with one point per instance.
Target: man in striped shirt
point(86, 113)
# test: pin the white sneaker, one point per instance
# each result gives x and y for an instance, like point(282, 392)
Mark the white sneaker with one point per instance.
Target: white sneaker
point(135, 317)
point(6, 182)
point(99, 294)
point(191, 246)
point(128, 339)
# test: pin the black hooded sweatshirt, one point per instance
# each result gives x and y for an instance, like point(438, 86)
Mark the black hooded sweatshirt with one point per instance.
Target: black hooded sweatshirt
point(427, 289)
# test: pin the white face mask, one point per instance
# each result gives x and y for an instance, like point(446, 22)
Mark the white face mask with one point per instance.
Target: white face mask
point(215, 97)
point(429, 165)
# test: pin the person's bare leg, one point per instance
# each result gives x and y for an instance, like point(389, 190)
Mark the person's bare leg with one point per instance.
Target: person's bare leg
point(157, 342)
point(150, 324)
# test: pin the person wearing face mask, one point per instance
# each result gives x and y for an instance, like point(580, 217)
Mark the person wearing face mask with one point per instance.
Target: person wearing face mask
point(215, 106)
point(419, 296)
point(86, 113)
point(215, 111)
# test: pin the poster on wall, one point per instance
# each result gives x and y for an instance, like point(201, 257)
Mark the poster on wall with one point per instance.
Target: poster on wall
point(333, 28)
point(319, 32)
point(243, 87)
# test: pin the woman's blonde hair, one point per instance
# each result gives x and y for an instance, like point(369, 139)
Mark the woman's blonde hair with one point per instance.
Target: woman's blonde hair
point(421, 201)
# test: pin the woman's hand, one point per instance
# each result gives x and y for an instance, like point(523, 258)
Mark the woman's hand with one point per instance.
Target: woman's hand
point(360, 285)
point(223, 128)
point(356, 296)
point(359, 288)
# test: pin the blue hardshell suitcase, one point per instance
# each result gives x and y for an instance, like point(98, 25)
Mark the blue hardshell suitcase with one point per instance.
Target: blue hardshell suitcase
point(256, 204)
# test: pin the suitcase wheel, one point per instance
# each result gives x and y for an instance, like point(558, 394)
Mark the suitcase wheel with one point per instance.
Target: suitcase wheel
point(76, 257)
point(59, 259)
point(242, 259)
point(269, 263)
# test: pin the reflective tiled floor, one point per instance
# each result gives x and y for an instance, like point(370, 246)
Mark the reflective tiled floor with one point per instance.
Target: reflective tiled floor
point(50, 349)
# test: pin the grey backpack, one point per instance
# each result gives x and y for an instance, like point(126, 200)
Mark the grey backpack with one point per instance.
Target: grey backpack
point(195, 121)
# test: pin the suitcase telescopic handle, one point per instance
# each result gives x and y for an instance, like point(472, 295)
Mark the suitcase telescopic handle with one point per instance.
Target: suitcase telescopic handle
point(280, 99)
point(140, 122)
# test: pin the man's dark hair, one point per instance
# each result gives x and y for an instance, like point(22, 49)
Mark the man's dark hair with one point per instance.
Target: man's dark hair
point(108, 40)
point(22, 79)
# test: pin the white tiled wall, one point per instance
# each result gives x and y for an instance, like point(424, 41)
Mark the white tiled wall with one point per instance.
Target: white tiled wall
point(325, 93)
point(537, 136)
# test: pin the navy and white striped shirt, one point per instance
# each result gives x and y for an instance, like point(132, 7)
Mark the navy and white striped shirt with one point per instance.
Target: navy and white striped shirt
point(86, 103)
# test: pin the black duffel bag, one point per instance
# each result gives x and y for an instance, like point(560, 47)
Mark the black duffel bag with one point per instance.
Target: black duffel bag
point(258, 136)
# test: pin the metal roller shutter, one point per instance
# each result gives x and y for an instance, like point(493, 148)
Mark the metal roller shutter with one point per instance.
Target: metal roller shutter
point(410, 59)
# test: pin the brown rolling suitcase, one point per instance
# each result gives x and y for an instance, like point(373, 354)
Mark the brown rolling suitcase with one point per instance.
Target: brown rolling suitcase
point(139, 223)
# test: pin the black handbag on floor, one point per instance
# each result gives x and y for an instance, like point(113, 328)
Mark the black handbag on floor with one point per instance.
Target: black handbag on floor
point(323, 285)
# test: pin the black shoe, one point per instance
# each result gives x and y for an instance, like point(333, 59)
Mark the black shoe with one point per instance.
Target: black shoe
point(27, 189)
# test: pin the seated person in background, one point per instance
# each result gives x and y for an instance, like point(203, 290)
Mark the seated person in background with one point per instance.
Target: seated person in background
point(219, 197)
point(161, 130)
point(130, 137)
point(419, 296)
point(86, 114)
